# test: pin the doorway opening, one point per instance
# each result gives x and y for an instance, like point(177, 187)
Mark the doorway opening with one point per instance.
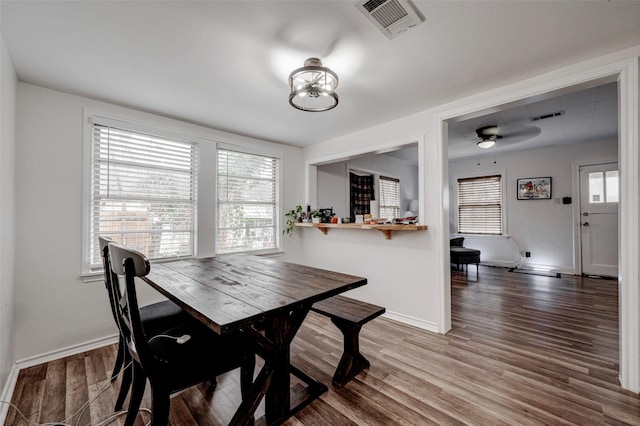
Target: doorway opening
point(517, 238)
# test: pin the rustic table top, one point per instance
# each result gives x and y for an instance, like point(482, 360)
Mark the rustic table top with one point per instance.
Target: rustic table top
point(229, 291)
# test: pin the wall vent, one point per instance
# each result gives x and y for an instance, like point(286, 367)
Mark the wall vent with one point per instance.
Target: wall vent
point(391, 17)
point(545, 116)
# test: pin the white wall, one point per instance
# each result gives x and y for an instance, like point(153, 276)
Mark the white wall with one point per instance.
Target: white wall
point(333, 182)
point(8, 89)
point(55, 309)
point(399, 271)
point(546, 228)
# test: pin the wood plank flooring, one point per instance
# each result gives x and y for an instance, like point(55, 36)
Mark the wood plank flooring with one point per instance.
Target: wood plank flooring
point(523, 350)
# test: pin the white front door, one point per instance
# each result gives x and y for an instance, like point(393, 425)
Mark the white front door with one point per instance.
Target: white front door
point(599, 219)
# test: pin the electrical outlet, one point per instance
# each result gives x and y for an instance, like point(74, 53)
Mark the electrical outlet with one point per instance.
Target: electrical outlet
point(527, 254)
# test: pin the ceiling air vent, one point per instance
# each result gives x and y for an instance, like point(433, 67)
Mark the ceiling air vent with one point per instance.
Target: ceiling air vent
point(546, 116)
point(392, 17)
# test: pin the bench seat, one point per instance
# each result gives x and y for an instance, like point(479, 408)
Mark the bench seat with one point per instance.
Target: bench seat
point(349, 315)
point(463, 255)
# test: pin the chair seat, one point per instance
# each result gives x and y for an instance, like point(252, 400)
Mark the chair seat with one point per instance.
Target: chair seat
point(161, 316)
point(205, 353)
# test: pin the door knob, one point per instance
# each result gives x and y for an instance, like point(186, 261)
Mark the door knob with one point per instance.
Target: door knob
point(585, 224)
point(585, 214)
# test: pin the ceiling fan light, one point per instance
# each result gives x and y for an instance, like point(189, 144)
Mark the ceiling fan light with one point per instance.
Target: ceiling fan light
point(486, 143)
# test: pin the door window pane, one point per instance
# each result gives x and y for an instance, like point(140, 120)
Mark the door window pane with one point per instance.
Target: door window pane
point(611, 182)
point(596, 187)
point(603, 187)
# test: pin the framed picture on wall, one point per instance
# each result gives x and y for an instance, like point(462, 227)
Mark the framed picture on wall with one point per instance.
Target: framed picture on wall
point(534, 188)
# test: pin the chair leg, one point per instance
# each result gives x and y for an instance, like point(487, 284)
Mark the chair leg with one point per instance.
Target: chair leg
point(119, 358)
point(137, 391)
point(125, 384)
point(160, 404)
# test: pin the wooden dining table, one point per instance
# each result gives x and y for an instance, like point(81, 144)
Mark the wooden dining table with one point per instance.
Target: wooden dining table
point(265, 298)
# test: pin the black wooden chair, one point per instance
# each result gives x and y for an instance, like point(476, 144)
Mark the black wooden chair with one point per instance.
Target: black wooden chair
point(155, 319)
point(177, 358)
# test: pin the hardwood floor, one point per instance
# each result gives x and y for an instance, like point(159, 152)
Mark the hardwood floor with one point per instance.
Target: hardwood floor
point(523, 349)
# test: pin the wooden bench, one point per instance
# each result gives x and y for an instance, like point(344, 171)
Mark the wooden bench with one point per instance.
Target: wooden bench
point(349, 315)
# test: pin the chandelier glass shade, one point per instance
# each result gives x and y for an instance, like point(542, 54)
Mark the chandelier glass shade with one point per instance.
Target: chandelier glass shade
point(313, 87)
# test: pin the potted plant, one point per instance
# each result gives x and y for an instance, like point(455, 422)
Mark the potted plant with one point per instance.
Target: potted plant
point(317, 216)
point(293, 216)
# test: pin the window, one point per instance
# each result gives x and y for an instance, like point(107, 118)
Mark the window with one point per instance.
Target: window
point(248, 201)
point(603, 187)
point(142, 192)
point(480, 205)
point(389, 197)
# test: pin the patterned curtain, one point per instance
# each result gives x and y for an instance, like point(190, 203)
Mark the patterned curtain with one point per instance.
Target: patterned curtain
point(361, 194)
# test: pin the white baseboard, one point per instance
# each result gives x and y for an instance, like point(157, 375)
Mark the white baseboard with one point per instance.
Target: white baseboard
point(9, 387)
point(68, 351)
point(567, 270)
point(416, 322)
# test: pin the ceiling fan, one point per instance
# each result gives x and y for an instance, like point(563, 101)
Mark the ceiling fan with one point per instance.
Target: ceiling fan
point(488, 135)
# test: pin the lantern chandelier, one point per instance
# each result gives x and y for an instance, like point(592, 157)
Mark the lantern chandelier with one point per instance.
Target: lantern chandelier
point(313, 87)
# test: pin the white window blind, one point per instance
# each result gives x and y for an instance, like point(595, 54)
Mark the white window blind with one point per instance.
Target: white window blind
point(389, 197)
point(143, 193)
point(480, 205)
point(248, 202)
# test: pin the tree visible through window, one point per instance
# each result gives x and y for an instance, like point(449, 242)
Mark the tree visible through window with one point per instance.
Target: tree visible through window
point(143, 193)
point(248, 202)
point(480, 205)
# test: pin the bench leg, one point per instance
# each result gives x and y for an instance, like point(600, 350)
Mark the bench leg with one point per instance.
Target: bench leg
point(352, 361)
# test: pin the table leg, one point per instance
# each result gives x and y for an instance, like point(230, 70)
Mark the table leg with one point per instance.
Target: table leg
point(273, 381)
point(278, 397)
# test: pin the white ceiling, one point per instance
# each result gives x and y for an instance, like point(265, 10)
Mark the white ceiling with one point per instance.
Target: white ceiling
point(224, 64)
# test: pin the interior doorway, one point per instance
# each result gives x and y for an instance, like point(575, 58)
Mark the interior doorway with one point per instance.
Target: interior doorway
point(624, 70)
point(600, 182)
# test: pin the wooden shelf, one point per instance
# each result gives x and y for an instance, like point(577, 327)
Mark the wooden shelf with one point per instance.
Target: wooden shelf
point(385, 229)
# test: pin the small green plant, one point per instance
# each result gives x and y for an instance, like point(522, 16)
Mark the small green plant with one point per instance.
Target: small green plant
point(293, 216)
point(317, 216)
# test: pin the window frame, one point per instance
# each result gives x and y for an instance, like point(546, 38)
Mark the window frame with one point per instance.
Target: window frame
point(279, 221)
point(503, 204)
point(90, 118)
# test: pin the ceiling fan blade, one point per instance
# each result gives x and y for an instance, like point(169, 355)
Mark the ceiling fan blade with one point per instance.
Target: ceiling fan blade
point(520, 134)
point(487, 131)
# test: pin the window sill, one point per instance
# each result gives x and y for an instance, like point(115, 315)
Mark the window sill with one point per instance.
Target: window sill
point(90, 277)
